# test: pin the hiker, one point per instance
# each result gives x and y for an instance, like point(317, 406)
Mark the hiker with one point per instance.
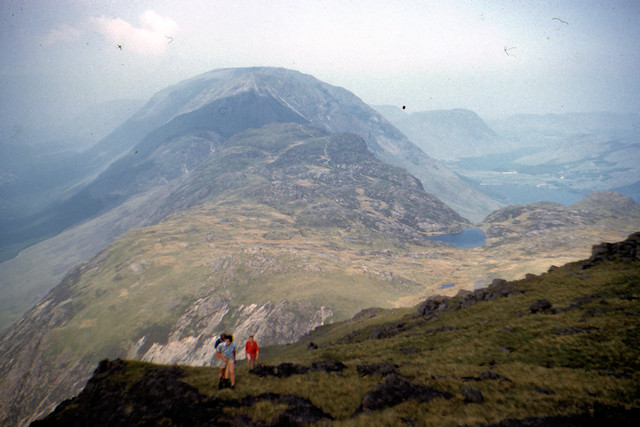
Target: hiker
point(251, 348)
point(219, 362)
point(227, 352)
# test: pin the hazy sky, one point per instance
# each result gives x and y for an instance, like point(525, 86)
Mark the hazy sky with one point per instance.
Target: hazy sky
point(494, 57)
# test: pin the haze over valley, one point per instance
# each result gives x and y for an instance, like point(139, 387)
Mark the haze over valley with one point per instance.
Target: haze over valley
point(269, 197)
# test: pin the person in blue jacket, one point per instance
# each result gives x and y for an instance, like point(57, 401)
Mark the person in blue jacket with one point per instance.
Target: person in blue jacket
point(226, 351)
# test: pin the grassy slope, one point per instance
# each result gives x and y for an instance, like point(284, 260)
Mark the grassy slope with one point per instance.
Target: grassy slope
point(251, 256)
point(549, 373)
point(576, 367)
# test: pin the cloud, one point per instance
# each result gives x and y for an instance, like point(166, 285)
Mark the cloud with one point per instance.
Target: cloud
point(153, 35)
point(61, 34)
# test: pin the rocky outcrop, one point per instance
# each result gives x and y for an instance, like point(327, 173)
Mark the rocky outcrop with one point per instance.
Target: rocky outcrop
point(626, 251)
point(287, 369)
point(534, 219)
point(269, 323)
point(159, 397)
point(499, 288)
point(397, 389)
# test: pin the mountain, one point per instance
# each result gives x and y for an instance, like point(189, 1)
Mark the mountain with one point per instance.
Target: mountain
point(559, 158)
point(560, 348)
point(280, 229)
point(588, 163)
point(206, 213)
point(222, 103)
point(540, 129)
point(171, 135)
point(309, 232)
point(447, 134)
point(232, 100)
point(39, 166)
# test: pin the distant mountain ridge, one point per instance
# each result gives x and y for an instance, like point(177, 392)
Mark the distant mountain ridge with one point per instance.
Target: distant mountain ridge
point(447, 134)
point(602, 124)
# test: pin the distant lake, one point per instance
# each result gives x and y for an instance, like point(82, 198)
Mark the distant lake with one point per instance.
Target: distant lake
point(469, 238)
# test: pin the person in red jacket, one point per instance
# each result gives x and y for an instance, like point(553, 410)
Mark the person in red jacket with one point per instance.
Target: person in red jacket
point(251, 348)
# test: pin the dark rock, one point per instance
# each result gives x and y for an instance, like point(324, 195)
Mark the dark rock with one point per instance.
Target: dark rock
point(381, 369)
point(540, 305)
point(287, 369)
point(484, 376)
point(498, 282)
point(349, 337)
point(157, 397)
point(409, 350)
point(299, 412)
point(626, 251)
point(472, 395)
point(388, 331)
point(599, 416)
point(282, 370)
point(328, 366)
point(312, 346)
point(490, 375)
point(397, 389)
point(443, 328)
point(433, 306)
point(367, 313)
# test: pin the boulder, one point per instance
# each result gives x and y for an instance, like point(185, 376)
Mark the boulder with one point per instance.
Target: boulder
point(540, 305)
point(472, 395)
point(397, 389)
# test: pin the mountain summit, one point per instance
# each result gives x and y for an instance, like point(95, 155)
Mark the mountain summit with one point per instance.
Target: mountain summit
point(229, 101)
point(178, 128)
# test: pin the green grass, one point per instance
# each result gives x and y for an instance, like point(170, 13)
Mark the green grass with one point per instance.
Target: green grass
point(543, 370)
point(549, 374)
point(150, 277)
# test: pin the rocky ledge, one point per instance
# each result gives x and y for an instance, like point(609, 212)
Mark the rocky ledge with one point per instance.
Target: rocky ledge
point(627, 251)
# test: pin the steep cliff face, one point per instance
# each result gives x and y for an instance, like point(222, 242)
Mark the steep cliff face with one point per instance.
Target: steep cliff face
point(191, 340)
